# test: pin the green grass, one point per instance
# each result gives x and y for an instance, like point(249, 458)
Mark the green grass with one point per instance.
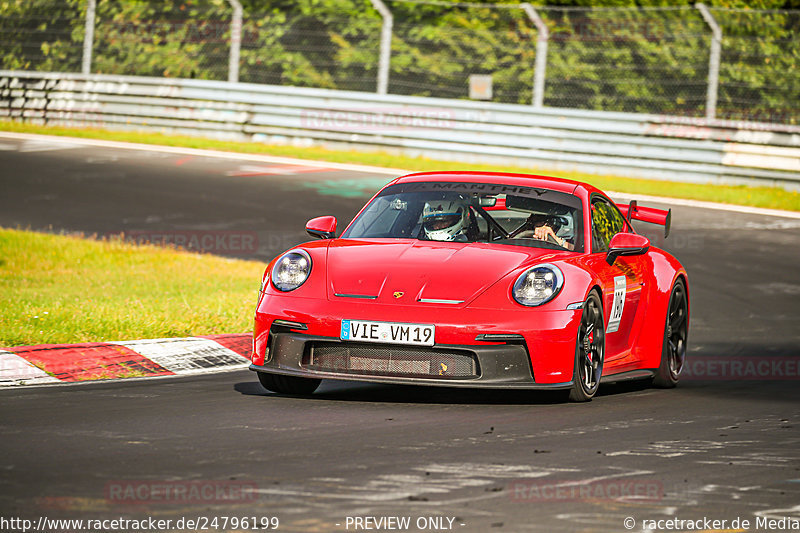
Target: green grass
point(67, 289)
point(769, 197)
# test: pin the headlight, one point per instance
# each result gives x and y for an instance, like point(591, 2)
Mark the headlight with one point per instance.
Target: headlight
point(291, 270)
point(538, 285)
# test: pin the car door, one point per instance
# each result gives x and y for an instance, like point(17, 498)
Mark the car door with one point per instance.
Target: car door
point(622, 282)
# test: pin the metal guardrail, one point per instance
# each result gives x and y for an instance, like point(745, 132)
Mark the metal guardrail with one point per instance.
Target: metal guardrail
point(637, 145)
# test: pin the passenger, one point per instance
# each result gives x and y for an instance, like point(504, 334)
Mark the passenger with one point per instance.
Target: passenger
point(546, 233)
point(542, 231)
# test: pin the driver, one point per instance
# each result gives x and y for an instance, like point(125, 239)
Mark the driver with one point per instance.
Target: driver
point(446, 220)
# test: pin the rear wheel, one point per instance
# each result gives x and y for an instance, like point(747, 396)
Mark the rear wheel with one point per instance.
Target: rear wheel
point(288, 384)
point(589, 351)
point(676, 329)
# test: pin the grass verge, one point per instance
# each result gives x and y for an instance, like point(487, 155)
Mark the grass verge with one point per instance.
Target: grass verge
point(66, 289)
point(768, 197)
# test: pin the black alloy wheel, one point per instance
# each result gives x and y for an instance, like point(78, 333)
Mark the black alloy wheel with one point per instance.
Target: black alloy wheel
point(676, 331)
point(589, 351)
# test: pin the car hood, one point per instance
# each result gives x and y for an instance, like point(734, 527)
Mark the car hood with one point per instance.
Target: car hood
point(436, 272)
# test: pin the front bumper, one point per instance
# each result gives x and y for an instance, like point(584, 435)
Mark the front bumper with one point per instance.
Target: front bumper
point(544, 357)
point(495, 366)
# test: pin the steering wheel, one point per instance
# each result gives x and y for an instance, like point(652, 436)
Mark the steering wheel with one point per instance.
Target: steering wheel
point(529, 224)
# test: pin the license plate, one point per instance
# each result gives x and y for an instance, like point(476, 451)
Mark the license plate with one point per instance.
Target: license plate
point(388, 332)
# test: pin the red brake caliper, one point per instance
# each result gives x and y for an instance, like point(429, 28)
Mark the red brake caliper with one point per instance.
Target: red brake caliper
point(589, 343)
point(588, 340)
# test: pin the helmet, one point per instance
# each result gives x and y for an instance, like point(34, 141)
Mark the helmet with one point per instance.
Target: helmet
point(444, 220)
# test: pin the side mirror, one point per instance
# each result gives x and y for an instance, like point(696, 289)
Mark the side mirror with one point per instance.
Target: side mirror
point(322, 227)
point(626, 244)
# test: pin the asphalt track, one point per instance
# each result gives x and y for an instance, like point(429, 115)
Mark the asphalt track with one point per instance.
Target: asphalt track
point(717, 447)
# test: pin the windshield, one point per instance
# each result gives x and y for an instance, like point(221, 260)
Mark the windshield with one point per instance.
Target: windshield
point(473, 212)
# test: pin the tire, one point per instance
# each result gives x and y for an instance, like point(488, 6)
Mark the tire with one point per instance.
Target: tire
point(288, 384)
point(676, 331)
point(590, 348)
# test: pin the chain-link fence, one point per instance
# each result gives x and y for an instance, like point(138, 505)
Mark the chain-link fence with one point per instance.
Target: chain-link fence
point(169, 39)
point(436, 48)
point(327, 48)
point(651, 60)
point(42, 35)
point(760, 65)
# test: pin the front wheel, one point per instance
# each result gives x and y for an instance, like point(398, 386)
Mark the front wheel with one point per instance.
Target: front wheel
point(676, 329)
point(589, 351)
point(288, 384)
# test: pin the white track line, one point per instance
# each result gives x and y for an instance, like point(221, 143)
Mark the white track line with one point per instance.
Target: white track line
point(362, 168)
point(59, 383)
point(204, 153)
point(708, 205)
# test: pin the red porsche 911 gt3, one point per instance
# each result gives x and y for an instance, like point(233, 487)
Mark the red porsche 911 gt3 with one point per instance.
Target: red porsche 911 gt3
point(476, 279)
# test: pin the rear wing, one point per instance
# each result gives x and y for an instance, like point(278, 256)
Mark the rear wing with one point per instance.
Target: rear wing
point(633, 211)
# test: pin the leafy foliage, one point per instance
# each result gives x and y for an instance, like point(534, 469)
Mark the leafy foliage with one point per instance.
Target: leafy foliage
point(625, 55)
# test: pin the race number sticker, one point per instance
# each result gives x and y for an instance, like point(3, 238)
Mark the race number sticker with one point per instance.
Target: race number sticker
point(617, 305)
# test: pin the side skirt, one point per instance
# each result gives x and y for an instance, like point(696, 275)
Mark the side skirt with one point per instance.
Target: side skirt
point(628, 376)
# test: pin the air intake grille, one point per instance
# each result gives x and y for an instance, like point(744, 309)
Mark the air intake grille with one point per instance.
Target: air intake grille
point(380, 360)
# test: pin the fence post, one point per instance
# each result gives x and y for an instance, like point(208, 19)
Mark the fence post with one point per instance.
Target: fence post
point(541, 54)
point(236, 41)
point(88, 37)
point(713, 61)
point(386, 45)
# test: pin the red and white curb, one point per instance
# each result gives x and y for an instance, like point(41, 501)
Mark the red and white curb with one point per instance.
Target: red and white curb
point(56, 363)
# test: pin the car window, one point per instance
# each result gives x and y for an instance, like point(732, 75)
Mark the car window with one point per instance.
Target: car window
point(379, 218)
point(607, 221)
point(473, 212)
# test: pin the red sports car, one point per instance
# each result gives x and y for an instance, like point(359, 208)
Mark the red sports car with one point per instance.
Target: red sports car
point(476, 279)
